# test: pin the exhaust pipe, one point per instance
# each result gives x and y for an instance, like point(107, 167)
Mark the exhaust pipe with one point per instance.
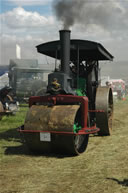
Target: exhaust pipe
point(65, 50)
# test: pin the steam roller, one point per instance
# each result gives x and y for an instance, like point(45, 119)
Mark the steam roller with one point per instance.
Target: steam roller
point(74, 105)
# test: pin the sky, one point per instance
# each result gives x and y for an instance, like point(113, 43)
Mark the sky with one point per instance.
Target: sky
point(29, 23)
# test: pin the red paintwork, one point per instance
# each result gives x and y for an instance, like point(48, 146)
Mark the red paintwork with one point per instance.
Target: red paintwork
point(83, 131)
point(66, 99)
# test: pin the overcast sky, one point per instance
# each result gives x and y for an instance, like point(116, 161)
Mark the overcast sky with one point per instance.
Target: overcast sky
point(32, 22)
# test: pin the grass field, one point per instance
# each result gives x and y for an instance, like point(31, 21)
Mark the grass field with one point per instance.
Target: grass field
point(103, 168)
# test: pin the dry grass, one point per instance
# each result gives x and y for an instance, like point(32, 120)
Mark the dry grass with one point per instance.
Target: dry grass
point(103, 168)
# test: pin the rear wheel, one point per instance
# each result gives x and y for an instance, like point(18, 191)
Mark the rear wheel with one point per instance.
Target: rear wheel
point(81, 141)
point(104, 101)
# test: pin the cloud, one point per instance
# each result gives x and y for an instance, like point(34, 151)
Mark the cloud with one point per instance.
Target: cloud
point(19, 18)
point(28, 47)
point(29, 29)
point(109, 15)
point(29, 2)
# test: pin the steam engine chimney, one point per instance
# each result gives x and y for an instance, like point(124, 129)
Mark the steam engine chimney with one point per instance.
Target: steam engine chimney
point(65, 50)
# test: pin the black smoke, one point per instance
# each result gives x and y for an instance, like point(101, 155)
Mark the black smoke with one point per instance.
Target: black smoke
point(68, 11)
point(107, 14)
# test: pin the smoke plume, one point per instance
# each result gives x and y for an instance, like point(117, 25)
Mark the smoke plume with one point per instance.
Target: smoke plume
point(68, 10)
point(106, 14)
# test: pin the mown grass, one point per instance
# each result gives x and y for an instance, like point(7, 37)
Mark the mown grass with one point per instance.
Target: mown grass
point(102, 168)
point(8, 129)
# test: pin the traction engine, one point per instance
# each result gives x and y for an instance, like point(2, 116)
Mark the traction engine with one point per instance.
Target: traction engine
point(75, 105)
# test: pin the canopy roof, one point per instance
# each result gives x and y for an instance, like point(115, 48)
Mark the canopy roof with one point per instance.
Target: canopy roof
point(87, 50)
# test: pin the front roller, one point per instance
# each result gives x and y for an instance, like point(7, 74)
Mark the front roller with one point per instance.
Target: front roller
point(58, 121)
point(104, 102)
